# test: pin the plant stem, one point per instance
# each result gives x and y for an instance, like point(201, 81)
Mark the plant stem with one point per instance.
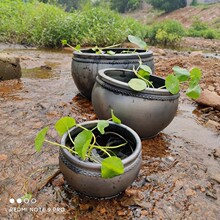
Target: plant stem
point(100, 148)
point(112, 46)
point(70, 46)
point(162, 87)
point(112, 147)
point(70, 137)
point(60, 145)
point(92, 145)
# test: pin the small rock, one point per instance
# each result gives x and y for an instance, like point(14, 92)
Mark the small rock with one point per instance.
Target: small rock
point(211, 88)
point(216, 177)
point(85, 207)
point(207, 110)
point(190, 192)
point(209, 98)
point(216, 153)
point(9, 67)
point(212, 124)
point(58, 181)
point(131, 192)
point(202, 189)
point(160, 52)
point(144, 212)
point(196, 53)
point(103, 210)
point(211, 194)
point(121, 213)
point(3, 157)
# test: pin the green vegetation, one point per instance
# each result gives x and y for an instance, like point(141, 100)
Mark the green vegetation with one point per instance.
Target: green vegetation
point(200, 29)
point(167, 6)
point(45, 25)
point(168, 32)
point(194, 3)
point(87, 140)
point(35, 23)
point(124, 5)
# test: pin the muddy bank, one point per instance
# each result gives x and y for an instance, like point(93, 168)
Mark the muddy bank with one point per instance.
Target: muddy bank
point(179, 178)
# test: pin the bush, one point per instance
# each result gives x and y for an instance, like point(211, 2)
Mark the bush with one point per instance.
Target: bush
point(167, 6)
point(98, 26)
point(168, 32)
point(194, 3)
point(124, 5)
point(46, 25)
point(199, 29)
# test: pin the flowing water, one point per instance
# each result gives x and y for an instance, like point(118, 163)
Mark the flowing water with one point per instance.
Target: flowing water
point(179, 177)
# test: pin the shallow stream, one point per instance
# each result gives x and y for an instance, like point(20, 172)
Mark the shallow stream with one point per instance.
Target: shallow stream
point(179, 178)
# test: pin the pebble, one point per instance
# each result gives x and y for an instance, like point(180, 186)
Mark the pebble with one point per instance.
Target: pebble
point(121, 212)
point(212, 124)
point(190, 192)
point(216, 153)
point(211, 194)
point(216, 177)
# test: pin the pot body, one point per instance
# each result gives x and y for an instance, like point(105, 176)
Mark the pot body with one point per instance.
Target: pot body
point(84, 176)
point(147, 112)
point(85, 65)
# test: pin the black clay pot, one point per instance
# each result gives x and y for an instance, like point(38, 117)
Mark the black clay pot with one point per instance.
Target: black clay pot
point(85, 65)
point(147, 112)
point(85, 177)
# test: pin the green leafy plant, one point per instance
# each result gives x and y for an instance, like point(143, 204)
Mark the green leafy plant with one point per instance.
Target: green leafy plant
point(172, 81)
point(167, 6)
point(104, 50)
point(168, 32)
point(85, 142)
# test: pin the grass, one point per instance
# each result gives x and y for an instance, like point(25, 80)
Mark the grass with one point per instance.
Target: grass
point(45, 25)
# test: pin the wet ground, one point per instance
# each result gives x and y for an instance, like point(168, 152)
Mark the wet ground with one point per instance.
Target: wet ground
point(180, 174)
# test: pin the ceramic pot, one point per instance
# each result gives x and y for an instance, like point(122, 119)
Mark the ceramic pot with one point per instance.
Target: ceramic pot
point(85, 65)
point(147, 112)
point(85, 177)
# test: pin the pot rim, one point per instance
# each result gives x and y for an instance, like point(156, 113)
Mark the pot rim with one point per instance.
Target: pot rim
point(124, 85)
point(86, 54)
point(82, 163)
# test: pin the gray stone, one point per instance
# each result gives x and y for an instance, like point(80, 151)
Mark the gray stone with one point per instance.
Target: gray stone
point(9, 67)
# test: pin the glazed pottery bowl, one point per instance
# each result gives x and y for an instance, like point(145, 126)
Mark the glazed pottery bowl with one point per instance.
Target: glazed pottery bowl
point(85, 65)
point(147, 112)
point(85, 177)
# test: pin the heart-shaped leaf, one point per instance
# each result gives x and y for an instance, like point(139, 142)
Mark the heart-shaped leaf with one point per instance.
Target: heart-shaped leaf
point(136, 40)
point(78, 48)
point(64, 124)
point(196, 75)
point(115, 118)
point(172, 84)
point(143, 74)
point(146, 69)
point(137, 84)
point(194, 92)
point(102, 124)
point(111, 166)
point(39, 140)
point(82, 142)
point(64, 42)
point(181, 73)
point(110, 52)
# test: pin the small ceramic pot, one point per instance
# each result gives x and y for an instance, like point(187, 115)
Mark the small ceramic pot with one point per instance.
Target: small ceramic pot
point(85, 177)
point(85, 65)
point(147, 112)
